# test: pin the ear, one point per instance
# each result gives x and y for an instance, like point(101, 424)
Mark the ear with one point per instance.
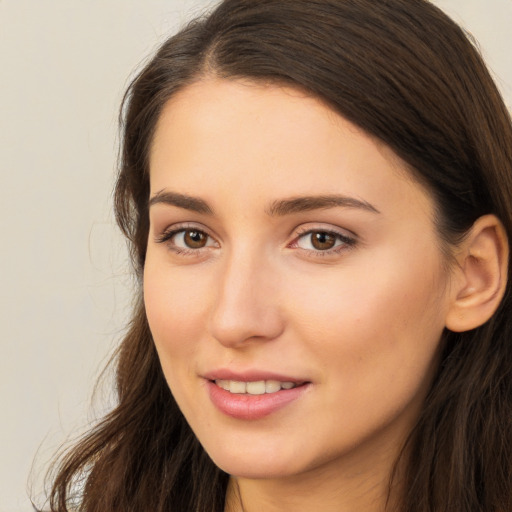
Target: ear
point(480, 278)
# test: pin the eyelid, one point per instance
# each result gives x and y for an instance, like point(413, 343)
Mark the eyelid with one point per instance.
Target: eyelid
point(348, 239)
point(324, 228)
point(165, 236)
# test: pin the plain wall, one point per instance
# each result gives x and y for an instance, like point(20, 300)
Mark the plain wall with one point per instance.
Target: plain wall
point(65, 280)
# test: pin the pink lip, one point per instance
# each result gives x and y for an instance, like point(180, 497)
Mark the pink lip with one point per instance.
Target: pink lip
point(253, 407)
point(249, 376)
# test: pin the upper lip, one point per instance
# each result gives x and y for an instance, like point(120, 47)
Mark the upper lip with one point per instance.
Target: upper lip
point(249, 376)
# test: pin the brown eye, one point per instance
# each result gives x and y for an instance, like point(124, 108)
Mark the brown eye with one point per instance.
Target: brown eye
point(322, 241)
point(318, 242)
point(194, 239)
point(187, 240)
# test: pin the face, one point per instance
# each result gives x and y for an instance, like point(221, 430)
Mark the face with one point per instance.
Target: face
point(294, 282)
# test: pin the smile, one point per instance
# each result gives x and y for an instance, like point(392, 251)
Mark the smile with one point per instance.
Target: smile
point(259, 387)
point(254, 399)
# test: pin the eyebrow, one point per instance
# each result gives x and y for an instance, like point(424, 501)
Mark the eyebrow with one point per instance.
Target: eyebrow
point(308, 203)
point(276, 209)
point(181, 201)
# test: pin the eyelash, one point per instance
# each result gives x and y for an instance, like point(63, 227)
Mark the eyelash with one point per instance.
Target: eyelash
point(347, 242)
point(167, 236)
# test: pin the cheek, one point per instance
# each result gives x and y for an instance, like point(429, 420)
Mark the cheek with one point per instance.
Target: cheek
point(376, 327)
point(176, 308)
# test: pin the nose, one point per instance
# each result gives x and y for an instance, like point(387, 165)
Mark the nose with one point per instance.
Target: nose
point(246, 308)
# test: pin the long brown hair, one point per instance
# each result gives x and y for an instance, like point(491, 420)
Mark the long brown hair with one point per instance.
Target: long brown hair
point(406, 74)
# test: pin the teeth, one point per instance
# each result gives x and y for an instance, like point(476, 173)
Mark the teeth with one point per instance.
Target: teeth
point(237, 387)
point(256, 388)
point(224, 384)
point(272, 386)
point(259, 387)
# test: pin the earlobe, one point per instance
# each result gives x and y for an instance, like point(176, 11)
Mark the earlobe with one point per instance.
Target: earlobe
point(481, 277)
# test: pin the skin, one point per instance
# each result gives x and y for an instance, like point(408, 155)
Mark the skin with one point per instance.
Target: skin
point(360, 322)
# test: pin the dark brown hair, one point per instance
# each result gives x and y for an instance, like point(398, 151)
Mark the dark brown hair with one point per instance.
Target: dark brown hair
point(406, 74)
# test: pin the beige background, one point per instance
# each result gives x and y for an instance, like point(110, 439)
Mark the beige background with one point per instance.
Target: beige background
point(65, 282)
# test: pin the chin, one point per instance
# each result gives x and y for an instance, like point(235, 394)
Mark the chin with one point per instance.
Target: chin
point(260, 470)
point(265, 463)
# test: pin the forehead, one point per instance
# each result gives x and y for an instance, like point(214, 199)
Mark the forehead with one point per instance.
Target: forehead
point(266, 140)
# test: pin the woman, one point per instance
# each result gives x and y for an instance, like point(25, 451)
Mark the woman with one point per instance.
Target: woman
point(317, 195)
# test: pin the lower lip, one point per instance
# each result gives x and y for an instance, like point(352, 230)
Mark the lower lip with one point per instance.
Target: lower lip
point(252, 407)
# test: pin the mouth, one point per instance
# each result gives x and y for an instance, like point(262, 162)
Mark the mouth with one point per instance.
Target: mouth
point(259, 387)
point(254, 399)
